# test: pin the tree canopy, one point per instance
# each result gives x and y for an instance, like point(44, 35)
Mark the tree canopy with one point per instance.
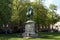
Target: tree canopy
point(14, 11)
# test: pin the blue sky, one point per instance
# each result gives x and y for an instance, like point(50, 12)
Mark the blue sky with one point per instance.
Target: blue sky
point(56, 2)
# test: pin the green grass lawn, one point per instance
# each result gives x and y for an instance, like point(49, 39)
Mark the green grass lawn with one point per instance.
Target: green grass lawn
point(43, 36)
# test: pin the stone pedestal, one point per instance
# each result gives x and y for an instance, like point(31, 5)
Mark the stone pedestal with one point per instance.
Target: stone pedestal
point(29, 29)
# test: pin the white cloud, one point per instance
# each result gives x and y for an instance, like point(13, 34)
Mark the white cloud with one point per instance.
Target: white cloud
point(47, 2)
point(58, 12)
point(32, 0)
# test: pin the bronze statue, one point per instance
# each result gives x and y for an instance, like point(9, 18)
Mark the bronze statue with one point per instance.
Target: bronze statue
point(29, 12)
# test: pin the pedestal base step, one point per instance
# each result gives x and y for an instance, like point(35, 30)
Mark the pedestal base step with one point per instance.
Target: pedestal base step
point(29, 35)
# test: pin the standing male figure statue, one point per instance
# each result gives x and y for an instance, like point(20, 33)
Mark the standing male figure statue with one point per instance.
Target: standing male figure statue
point(29, 12)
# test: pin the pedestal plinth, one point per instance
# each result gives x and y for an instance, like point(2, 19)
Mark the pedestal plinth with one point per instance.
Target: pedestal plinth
point(29, 29)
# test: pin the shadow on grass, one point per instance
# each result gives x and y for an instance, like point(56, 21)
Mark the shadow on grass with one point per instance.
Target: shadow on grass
point(42, 35)
point(9, 36)
point(49, 35)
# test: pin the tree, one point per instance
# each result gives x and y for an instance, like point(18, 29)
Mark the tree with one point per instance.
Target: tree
point(18, 11)
point(5, 11)
point(53, 9)
point(39, 14)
